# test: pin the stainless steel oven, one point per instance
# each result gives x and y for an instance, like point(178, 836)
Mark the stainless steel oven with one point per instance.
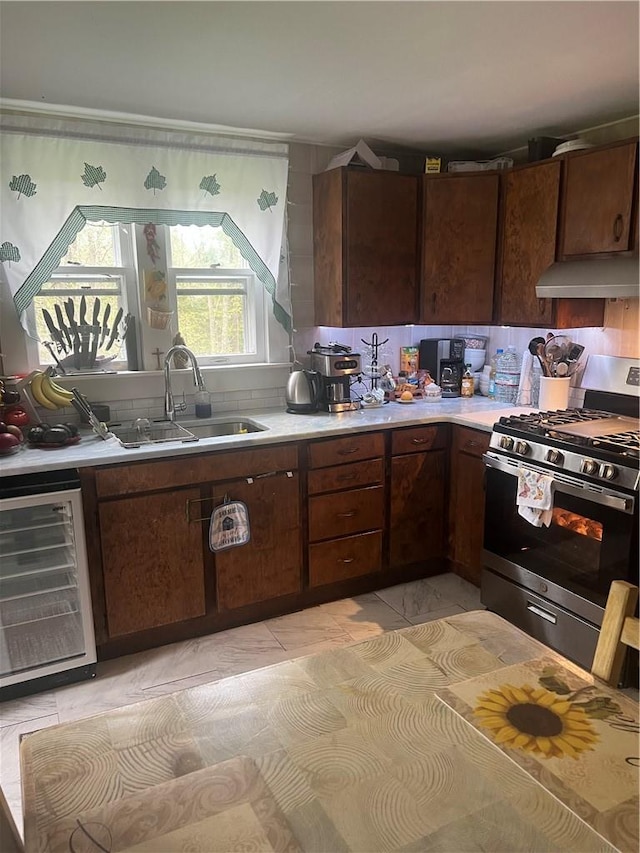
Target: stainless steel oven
point(552, 580)
point(561, 573)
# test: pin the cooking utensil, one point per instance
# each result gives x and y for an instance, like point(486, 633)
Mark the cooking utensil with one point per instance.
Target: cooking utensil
point(536, 347)
point(105, 324)
point(114, 330)
point(63, 328)
point(68, 307)
point(82, 405)
point(83, 310)
point(575, 352)
point(56, 336)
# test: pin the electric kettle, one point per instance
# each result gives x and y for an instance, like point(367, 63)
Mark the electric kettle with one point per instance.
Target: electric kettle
point(304, 392)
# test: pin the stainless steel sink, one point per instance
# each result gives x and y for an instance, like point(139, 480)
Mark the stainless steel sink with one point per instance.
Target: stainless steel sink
point(152, 432)
point(143, 432)
point(215, 429)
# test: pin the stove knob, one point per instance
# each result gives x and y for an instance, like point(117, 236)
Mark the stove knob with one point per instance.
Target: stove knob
point(506, 442)
point(522, 447)
point(609, 472)
point(555, 456)
point(589, 466)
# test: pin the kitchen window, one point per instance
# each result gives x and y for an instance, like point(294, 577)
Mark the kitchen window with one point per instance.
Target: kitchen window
point(216, 300)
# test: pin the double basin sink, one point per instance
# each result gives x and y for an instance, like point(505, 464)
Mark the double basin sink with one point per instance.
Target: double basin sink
point(143, 432)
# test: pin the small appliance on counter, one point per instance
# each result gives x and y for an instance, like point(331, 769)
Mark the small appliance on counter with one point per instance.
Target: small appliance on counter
point(336, 364)
point(304, 392)
point(444, 359)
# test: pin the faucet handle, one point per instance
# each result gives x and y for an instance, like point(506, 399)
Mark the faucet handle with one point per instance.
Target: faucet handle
point(180, 407)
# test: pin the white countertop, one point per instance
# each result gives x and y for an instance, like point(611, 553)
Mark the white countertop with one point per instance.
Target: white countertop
point(477, 412)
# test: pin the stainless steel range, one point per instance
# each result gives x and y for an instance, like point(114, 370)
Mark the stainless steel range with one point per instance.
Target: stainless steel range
point(552, 581)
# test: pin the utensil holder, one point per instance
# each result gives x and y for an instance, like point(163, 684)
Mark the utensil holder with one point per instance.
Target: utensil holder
point(158, 319)
point(554, 393)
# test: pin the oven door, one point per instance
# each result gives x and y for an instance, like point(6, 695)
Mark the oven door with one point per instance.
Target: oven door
point(591, 541)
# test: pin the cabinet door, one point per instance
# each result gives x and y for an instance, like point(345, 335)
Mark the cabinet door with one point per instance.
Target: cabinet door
point(466, 509)
point(530, 217)
point(153, 561)
point(417, 507)
point(382, 248)
point(597, 201)
point(270, 564)
point(458, 248)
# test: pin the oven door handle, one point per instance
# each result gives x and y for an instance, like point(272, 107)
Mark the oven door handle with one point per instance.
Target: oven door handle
point(624, 504)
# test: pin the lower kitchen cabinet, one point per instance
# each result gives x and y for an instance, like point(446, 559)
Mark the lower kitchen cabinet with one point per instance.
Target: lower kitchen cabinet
point(153, 561)
point(270, 564)
point(418, 489)
point(346, 508)
point(466, 502)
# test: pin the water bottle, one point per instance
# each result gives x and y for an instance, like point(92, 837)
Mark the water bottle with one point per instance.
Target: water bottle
point(492, 374)
point(508, 376)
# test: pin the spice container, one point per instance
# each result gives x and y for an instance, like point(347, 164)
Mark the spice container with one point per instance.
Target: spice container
point(467, 385)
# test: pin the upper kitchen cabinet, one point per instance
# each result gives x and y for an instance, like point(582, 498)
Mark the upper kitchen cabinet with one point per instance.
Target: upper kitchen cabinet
point(365, 247)
point(529, 219)
point(598, 201)
point(460, 216)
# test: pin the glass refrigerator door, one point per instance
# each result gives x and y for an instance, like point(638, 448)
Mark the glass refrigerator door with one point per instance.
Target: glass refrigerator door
point(45, 608)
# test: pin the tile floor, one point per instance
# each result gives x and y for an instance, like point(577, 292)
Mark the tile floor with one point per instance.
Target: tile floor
point(164, 670)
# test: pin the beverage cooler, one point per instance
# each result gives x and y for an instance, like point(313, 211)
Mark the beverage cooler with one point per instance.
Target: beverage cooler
point(46, 626)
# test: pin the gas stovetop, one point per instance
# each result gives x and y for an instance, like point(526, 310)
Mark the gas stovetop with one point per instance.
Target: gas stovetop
point(593, 444)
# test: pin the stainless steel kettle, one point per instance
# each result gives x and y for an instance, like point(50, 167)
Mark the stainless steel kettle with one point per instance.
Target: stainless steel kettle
point(304, 392)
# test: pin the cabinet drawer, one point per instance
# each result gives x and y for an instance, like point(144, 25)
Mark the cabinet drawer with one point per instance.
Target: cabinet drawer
point(339, 559)
point(346, 512)
point(471, 441)
point(351, 449)
point(203, 468)
point(368, 473)
point(418, 438)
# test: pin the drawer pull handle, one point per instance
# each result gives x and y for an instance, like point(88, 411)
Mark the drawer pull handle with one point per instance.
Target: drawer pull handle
point(344, 477)
point(349, 514)
point(471, 444)
point(345, 560)
point(348, 452)
point(543, 614)
point(617, 228)
point(418, 440)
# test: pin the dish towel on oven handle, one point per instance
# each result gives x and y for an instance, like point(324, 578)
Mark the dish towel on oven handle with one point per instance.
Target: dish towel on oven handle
point(534, 497)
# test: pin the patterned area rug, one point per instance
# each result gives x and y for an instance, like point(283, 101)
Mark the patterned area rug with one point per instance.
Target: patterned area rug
point(578, 739)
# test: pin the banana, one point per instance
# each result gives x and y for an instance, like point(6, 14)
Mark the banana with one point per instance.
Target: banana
point(38, 394)
point(50, 393)
point(60, 391)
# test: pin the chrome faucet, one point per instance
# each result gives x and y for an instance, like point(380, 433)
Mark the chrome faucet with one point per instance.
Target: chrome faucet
point(170, 408)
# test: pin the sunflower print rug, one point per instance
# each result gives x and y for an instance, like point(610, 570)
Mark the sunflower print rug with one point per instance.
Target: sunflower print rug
point(578, 738)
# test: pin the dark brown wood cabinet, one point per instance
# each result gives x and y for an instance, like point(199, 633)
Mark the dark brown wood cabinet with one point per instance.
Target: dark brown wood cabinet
point(460, 217)
point(365, 226)
point(153, 561)
point(598, 201)
point(418, 488)
point(529, 218)
point(466, 502)
point(270, 565)
point(157, 569)
point(346, 508)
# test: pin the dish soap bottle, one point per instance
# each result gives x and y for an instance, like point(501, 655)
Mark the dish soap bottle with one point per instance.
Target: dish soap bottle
point(467, 389)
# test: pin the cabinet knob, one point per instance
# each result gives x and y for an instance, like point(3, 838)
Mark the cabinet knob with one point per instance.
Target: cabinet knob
point(618, 224)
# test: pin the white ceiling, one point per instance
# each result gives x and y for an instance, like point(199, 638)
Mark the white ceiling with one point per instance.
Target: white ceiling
point(439, 76)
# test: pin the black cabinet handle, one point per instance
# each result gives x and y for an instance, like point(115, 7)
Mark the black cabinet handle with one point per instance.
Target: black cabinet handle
point(618, 224)
point(434, 301)
point(542, 304)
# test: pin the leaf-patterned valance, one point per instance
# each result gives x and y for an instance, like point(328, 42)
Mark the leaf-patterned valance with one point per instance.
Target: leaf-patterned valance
point(51, 186)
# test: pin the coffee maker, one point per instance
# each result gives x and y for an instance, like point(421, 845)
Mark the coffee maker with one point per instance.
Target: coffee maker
point(336, 364)
point(444, 359)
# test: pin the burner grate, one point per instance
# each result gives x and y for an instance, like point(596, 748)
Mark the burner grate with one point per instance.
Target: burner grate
point(621, 442)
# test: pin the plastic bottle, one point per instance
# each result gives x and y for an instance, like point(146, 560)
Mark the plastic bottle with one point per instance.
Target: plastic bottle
point(508, 376)
point(467, 389)
point(203, 403)
point(492, 374)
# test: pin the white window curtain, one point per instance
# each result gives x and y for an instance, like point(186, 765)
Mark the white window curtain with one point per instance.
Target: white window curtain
point(51, 185)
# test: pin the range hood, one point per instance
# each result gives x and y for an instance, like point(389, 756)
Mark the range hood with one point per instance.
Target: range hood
point(609, 278)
